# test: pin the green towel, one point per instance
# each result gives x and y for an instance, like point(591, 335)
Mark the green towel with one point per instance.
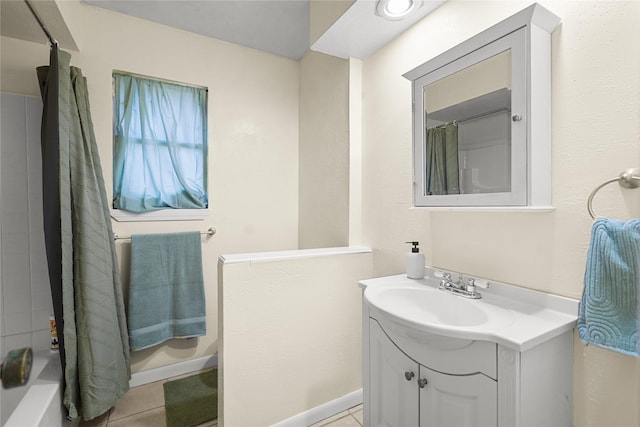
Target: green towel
point(166, 292)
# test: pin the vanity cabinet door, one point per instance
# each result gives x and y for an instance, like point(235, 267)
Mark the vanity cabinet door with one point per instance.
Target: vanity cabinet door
point(457, 400)
point(393, 382)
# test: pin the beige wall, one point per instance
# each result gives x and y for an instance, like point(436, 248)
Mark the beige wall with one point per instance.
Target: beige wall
point(253, 136)
point(323, 14)
point(291, 334)
point(323, 151)
point(596, 128)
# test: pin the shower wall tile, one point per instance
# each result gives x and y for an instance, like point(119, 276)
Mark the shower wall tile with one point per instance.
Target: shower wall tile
point(15, 280)
point(15, 241)
point(16, 298)
point(13, 220)
point(41, 340)
point(13, 156)
point(12, 342)
point(24, 279)
point(40, 319)
point(40, 291)
point(14, 184)
point(33, 107)
point(36, 231)
point(14, 124)
point(13, 199)
point(34, 162)
point(17, 322)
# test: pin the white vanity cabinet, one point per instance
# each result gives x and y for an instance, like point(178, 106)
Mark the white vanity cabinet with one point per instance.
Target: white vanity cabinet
point(404, 392)
point(433, 359)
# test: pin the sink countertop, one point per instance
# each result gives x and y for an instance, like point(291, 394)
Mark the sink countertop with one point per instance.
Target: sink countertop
point(517, 318)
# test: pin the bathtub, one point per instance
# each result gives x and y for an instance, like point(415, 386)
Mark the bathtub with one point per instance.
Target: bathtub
point(39, 403)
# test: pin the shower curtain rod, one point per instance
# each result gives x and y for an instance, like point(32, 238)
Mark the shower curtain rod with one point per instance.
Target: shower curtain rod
point(476, 116)
point(210, 232)
point(44, 28)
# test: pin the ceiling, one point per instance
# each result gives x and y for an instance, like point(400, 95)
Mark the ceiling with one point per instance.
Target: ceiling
point(280, 27)
point(16, 21)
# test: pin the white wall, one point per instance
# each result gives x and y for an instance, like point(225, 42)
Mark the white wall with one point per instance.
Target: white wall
point(596, 128)
point(291, 332)
point(253, 136)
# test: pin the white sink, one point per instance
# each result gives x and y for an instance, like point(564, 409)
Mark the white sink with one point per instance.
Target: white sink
point(515, 317)
point(424, 304)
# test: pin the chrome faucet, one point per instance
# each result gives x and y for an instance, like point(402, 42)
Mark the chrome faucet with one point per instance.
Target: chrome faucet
point(449, 283)
point(461, 287)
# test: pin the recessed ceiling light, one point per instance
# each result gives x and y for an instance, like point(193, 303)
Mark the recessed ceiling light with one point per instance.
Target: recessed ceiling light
point(396, 9)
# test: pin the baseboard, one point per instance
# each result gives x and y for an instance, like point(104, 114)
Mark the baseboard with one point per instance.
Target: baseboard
point(180, 368)
point(323, 411)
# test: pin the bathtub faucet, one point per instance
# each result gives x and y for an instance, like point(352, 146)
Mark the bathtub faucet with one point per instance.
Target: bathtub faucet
point(16, 368)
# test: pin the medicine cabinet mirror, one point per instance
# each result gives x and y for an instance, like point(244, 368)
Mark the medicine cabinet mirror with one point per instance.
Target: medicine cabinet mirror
point(482, 117)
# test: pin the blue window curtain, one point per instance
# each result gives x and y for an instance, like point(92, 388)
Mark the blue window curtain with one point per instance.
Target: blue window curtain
point(160, 145)
point(441, 152)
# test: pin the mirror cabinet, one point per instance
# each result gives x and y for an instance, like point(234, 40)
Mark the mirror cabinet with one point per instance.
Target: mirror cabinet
point(482, 118)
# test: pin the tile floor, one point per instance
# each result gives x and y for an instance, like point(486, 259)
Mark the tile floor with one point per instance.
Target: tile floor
point(350, 418)
point(143, 406)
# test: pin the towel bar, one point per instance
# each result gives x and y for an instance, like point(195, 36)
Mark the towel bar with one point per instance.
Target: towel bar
point(629, 178)
point(210, 232)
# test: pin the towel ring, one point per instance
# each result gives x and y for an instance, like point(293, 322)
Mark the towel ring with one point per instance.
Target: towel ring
point(629, 178)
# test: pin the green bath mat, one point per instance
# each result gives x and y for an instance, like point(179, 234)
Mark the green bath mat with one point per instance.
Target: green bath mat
point(192, 400)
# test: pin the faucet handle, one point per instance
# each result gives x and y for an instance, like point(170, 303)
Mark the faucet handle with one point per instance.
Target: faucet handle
point(442, 274)
point(481, 283)
point(473, 283)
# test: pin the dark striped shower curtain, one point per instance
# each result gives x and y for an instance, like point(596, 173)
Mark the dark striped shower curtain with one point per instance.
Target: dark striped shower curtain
point(441, 158)
point(83, 270)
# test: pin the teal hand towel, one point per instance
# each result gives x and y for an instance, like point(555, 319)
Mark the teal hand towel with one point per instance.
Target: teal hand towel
point(166, 291)
point(609, 309)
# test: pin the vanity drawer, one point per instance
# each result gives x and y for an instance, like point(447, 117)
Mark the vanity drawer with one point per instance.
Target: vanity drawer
point(448, 355)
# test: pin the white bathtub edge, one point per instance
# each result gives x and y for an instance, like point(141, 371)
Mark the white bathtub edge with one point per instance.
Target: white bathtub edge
point(41, 405)
point(26, 414)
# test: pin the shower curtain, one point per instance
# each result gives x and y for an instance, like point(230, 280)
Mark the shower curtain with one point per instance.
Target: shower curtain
point(83, 269)
point(441, 155)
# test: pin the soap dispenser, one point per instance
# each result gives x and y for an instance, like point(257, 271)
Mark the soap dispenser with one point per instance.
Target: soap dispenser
point(415, 262)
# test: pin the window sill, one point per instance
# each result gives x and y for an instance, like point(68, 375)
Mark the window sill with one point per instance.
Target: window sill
point(160, 215)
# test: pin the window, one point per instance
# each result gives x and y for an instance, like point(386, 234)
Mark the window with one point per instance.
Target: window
point(160, 145)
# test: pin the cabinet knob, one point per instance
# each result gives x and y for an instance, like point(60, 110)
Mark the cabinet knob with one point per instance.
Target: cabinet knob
point(409, 375)
point(516, 117)
point(422, 382)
